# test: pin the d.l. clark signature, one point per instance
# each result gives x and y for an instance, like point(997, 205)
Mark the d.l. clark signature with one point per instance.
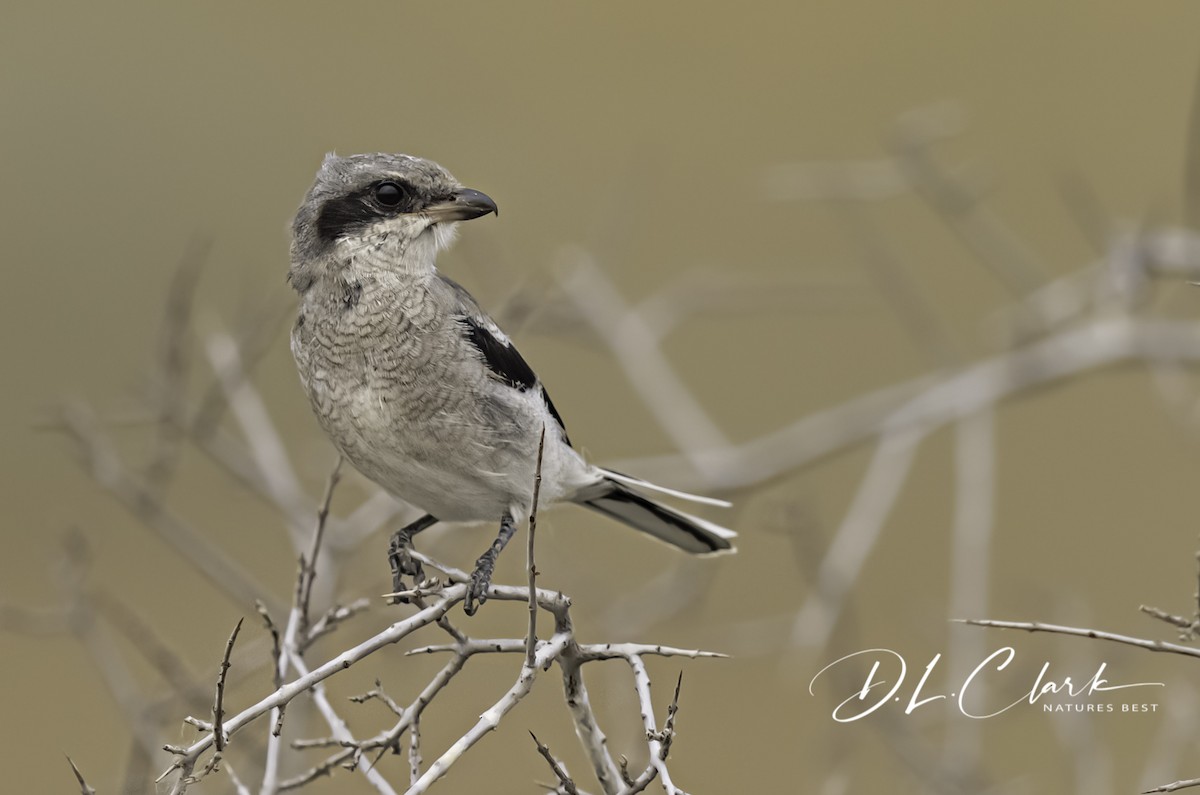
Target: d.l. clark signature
point(890, 667)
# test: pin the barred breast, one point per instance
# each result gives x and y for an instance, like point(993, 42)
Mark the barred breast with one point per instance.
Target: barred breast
point(382, 364)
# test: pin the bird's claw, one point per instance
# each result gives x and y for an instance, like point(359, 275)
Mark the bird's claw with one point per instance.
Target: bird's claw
point(477, 588)
point(481, 578)
point(403, 564)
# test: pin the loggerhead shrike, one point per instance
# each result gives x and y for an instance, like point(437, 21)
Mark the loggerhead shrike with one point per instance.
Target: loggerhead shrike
point(417, 386)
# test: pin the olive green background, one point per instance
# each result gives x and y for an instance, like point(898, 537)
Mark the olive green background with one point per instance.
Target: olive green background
point(643, 132)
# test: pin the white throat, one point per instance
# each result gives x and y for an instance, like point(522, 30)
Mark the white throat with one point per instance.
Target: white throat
point(392, 251)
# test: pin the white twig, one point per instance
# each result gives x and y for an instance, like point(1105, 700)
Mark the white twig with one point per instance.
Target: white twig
point(218, 710)
point(414, 751)
point(1083, 632)
point(641, 683)
point(304, 683)
point(1175, 786)
point(584, 652)
point(491, 717)
point(530, 564)
point(337, 725)
point(591, 737)
point(84, 787)
point(308, 563)
point(565, 783)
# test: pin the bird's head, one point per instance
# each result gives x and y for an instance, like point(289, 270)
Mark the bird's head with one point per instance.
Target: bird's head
point(396, 210)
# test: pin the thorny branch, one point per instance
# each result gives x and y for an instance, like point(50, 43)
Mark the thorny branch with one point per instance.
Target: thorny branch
point(556, 767)
point(561, 647)
point(84, 787)
point(218, 730)
point(308, 564)
point(530, 566)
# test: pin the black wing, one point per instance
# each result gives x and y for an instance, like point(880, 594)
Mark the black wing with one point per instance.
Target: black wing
point(505, 361)
point(500, 356)
point(557, 417)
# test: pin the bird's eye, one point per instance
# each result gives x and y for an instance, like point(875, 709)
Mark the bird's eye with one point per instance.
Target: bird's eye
point(389, 194)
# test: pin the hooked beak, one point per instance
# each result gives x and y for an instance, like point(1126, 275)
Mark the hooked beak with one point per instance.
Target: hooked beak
point(462, 206)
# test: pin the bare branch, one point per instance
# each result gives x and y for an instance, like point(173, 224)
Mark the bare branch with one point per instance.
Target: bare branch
point(491, 717)
point(334, 617)
point(1082, 632)
point(382, 697)
point(340, 731)
point(342, 661)
point(530, 566)
point(83, 785)
point(1178, 785)
point(308, 564)
point(591, 737)
point(654, 738)
point(276, 648)
point(414, 751)
point(218, 710)
point(1188, 625)
point(565, 782)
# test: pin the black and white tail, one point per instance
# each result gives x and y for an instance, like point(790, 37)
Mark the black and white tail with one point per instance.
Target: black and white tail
point(615, 496)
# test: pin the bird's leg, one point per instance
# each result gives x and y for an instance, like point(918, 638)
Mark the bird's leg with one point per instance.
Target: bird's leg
point(481, 578)
point(403, 563)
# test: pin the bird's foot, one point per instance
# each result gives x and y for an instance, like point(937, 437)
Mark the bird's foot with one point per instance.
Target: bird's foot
point(403, 564)
point(400, 557)
point(481, 578)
